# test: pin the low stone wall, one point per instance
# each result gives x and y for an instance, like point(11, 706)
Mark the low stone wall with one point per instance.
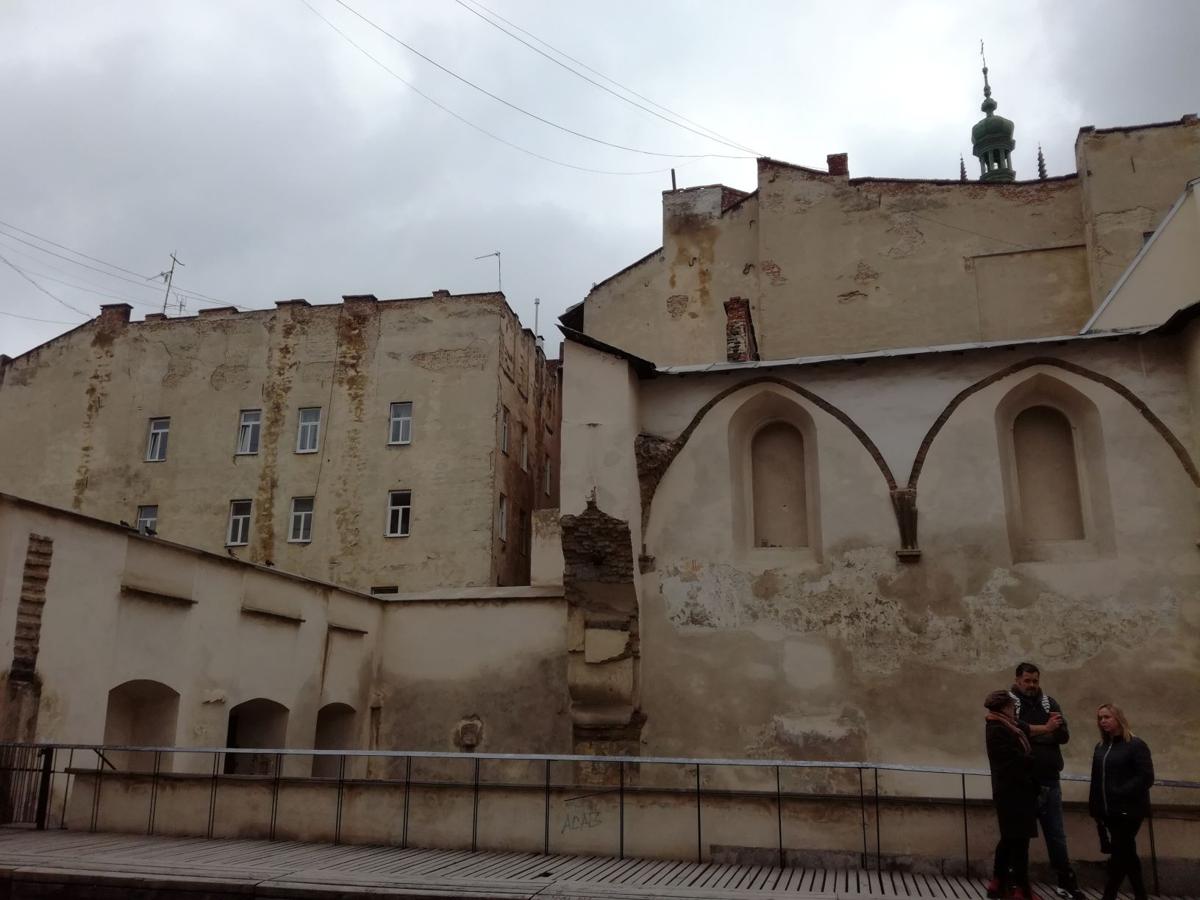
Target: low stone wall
point(513, 810)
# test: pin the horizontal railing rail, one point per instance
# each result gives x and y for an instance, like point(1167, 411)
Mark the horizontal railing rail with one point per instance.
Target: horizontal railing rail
point(29, 772)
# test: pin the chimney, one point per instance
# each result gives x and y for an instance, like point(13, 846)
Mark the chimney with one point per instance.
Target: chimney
point(839, 164)
point(740, 343)
point(115, 314)
point(216, 312)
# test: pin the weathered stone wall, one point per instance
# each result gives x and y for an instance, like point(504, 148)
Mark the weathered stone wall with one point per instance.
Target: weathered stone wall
point(74, 416)
point(833, 264)
point(844, 650)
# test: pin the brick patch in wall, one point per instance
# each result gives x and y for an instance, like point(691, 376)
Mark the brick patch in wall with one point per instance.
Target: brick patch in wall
point(29, 609)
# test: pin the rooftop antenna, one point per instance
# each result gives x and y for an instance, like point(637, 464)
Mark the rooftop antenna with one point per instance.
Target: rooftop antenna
point(536, 303)
point(499, 280)
point(168, 276)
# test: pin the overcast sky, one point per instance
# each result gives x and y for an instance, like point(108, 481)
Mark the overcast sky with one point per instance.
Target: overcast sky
point(279, 161)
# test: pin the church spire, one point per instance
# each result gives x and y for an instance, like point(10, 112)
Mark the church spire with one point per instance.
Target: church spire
point(1041, 164)
point(992, 137)
point(962, 169)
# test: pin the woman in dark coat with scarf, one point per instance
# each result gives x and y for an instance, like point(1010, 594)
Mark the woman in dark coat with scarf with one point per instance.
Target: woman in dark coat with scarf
point(1015, 793)
point(1122, 773)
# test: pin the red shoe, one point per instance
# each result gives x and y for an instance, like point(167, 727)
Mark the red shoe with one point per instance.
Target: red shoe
point(993, 889)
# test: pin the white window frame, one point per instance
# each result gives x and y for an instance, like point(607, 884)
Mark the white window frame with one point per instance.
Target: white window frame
point(301, 524)
point(311, 430)
point(399, 508)
point(400, 426)
point(239, 521)
point(504, 421)
point(144, 520)
point(548, 475)
point(249, 432)
point(156, 442)
point(502, 519)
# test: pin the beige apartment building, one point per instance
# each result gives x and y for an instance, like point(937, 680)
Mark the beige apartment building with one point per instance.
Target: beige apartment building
point(390, 445)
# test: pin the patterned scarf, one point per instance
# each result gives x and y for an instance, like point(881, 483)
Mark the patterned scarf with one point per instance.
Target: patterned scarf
point(1011, 724)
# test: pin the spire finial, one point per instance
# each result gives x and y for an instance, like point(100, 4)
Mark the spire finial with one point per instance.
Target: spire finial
point(962, 168)
point(1041, 164)
point(989, 105)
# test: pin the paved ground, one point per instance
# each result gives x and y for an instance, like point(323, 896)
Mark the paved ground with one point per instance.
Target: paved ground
point(63, 864)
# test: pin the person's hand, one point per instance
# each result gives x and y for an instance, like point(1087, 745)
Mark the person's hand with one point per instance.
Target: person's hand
point(1054, 722)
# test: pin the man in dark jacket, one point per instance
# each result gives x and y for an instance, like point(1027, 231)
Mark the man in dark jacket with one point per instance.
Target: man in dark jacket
point(1047, 733)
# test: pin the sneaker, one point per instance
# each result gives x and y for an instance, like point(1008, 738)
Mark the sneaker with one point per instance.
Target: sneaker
point(993, 889)
point(1069, 893)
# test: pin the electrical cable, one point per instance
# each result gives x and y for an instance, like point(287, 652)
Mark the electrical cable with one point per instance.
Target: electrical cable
point(522, 110)
point(44, 321)
point(142, 282)
point(57, 300)
point(613, 81)
point(463, 119)
point(91, 288)
point(711, 136)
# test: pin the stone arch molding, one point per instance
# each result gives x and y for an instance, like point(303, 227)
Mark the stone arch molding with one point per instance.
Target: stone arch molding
point(655, 454)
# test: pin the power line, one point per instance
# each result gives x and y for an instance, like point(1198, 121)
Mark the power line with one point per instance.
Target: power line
point(140, 281)
point(34, 319)
point(700, 130)
point(57, 300)
point(522, 110)
point(91, 286)
point(412, 87)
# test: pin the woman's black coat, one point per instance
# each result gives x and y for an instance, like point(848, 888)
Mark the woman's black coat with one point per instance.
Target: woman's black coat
point(1014, 789)
point(1122, 773)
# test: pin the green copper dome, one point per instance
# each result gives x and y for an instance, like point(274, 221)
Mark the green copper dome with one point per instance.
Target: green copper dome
point(992, 139)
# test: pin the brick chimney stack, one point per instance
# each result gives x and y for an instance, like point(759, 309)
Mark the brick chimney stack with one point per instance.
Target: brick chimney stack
point(740, 343)
point(839, 164)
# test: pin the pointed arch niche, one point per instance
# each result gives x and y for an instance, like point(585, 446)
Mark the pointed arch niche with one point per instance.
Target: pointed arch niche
point(773, 459)
point(1056, 491)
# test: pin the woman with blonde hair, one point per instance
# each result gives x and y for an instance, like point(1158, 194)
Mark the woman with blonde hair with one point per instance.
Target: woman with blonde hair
point(1122, 773)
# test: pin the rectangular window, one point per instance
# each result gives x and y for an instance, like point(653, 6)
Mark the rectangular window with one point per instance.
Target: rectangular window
point(308, 434)
point(400, 423)
point(548, 475)
point(147, 518)
point(524, 449)
point(504, 429)
point(399, 513)
point(249, 428)
point(502, 519)
point(239, 523)
point(156, 445)
point(302, 516)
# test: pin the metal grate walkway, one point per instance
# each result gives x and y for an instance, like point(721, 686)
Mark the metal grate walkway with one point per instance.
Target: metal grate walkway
point(85, 865)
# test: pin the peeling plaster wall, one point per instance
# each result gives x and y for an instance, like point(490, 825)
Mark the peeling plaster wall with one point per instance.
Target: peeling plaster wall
point(670, 306)
point(857, 655)
point(1131, 178)
point(75, 416)
point(501, 661)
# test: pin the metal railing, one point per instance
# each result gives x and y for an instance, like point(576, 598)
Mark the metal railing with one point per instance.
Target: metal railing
point(35, 776)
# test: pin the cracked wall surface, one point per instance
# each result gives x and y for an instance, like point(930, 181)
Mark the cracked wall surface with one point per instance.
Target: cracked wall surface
point(832, 264)
point(849, 652)
point(74, 415)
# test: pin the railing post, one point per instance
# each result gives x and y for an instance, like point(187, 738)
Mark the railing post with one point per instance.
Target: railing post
point(966, 833)
point(621, 810)
point(275, 794)
point(407, 794)
point(337, 826)
point(1153, 849)
point(212, 794)
point(779, 811)
point(43, 797)
point(96, 791)
point(878, 842)
point(862, 810)
point(475, 811)
point(67, 787)
point(153, 792)
point(699, 841)
point(546, 843)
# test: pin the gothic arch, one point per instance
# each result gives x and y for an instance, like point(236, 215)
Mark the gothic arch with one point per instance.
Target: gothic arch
point(1112, 384)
